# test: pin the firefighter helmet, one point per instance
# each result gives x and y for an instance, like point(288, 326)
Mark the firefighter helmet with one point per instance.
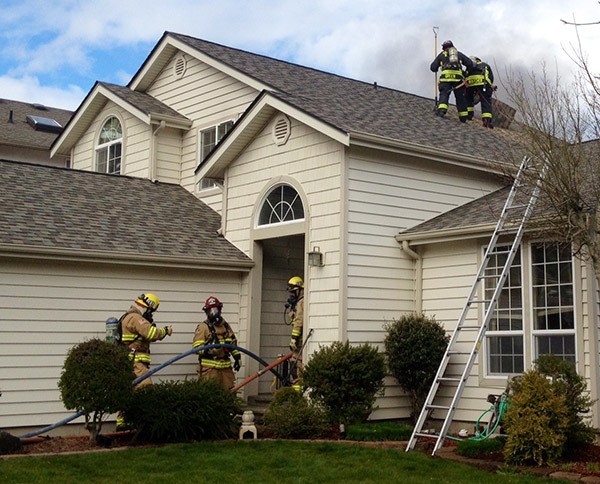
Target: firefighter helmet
point(212, 302)
point(447, 44)
point(149, 301)
point(294, 283)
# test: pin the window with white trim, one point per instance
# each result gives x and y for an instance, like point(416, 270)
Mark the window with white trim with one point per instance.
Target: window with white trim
point(208, 184)
point(110, 147)
point(504, 337)
point(553, 307)
point(210, 137)
point(550, 321)
point(283, 204)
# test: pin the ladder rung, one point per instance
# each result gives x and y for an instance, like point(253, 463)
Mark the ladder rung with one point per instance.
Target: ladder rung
point(514, 207)
point(469, 328)
point(438, 407)
point(450, 379)
point(427, 436)
point(459, 352)
point(499, 252)
point(479, 301)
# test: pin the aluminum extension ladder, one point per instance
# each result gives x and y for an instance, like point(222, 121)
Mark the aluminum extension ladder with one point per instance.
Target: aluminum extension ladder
point(443, 378)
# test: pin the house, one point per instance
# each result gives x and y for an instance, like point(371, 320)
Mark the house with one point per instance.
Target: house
point(28, 131)
point(296, 161)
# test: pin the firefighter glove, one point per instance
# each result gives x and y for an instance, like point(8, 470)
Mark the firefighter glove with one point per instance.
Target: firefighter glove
point(236, 364)
point(168, 330)
point(294, 344)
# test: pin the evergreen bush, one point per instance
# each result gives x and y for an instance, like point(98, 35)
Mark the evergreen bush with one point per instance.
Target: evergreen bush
point(291, 416)
point(345, 380)
point(97, 380)
point(566, 381)
point(182, 411)
point(415, 345)
point(536, 421)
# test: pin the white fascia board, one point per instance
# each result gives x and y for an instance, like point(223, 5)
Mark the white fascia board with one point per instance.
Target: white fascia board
point(446, 235)
point(269, 104)
point(78, 255)
point(165, 49)
point(459, 159)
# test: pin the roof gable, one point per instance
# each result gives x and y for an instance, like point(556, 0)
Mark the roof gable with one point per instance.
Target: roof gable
point(144, 107)
point(51, 210)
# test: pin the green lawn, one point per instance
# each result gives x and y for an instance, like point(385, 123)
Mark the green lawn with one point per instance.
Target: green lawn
point(258, 462)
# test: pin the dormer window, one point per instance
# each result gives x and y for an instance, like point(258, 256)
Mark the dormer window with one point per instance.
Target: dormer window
point(109, 147)
point(210, 137)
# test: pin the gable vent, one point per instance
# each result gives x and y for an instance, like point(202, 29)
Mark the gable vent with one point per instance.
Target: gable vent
point(282, 129)
point(179, 67)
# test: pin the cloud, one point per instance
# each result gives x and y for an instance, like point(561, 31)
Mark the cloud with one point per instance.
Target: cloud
point(76, 42)
point(29, 89)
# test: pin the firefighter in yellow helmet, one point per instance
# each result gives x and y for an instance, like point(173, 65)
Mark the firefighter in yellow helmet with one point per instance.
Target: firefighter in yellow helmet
point(295, 315)
point(138, 331)
point(215, 363)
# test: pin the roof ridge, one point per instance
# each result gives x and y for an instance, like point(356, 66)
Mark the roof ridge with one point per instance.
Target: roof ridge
point(290, 63)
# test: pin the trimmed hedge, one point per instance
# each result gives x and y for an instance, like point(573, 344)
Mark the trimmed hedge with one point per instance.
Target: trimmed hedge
point(182, 411)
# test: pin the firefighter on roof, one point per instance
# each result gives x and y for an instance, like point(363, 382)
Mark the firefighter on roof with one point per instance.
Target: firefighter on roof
point(480, 80)
point(215, 363)
point(138, 331)
point(451, 62)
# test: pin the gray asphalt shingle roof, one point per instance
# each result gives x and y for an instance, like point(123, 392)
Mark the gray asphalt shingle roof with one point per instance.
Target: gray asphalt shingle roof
point(356, 106)
point(59, 208)
point(19, 132)
point(144, 102)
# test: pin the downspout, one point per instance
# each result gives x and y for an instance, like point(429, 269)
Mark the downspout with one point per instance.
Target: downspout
point(418, 275)
point(152, 168)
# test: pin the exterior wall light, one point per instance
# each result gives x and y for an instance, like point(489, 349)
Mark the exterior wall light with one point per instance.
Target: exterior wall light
point(315, 257)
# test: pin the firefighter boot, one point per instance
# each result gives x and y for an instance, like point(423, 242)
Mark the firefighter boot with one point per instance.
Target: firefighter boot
point(441, 112)
point(487, 123)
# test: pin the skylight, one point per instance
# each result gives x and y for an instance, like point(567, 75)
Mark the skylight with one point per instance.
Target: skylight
point(40, 123)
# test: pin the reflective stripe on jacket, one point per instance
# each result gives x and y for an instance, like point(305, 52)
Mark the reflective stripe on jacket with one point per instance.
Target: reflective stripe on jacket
point(222, 334)
point(138, 333)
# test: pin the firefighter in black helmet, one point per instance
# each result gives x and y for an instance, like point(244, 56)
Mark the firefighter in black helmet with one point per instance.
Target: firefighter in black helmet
point(452, 79)
point(480, 80)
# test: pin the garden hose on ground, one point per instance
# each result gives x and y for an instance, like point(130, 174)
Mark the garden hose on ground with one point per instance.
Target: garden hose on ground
point(158, 368)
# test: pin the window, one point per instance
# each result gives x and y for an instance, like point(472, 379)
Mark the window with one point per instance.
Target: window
point(210, 137)
point(209, 183)
point(551, 321)
point(109, 148)
point(283, 204)
point(553, 315)
point(504, 336)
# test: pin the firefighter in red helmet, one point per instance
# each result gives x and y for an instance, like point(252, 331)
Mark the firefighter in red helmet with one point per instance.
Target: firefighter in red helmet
point(452, 79)
point(215, 363)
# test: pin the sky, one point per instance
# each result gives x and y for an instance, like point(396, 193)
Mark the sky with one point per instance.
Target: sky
point(52, 52)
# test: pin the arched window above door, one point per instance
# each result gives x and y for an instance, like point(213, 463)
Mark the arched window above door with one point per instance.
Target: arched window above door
point(282, 204)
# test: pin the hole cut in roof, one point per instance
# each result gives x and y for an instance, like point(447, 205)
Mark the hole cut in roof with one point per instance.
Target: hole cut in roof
point(40, 123)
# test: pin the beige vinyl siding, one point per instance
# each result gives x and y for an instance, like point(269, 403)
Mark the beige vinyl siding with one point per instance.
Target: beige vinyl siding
point(136, 143)
point(212, 197)
point(388, 194)
point(168, 156)
point(204, 95)
point(449, 270)
point(313, 161)
point(49, 306)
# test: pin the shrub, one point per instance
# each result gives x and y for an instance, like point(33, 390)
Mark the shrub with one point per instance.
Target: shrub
point(415, 345)
point(378, 431)
point(96, 380)
point(480, 448)
point(567, 382)
point(291, 415)
point(345, 380)
point(181, 411)
point(536, 421)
